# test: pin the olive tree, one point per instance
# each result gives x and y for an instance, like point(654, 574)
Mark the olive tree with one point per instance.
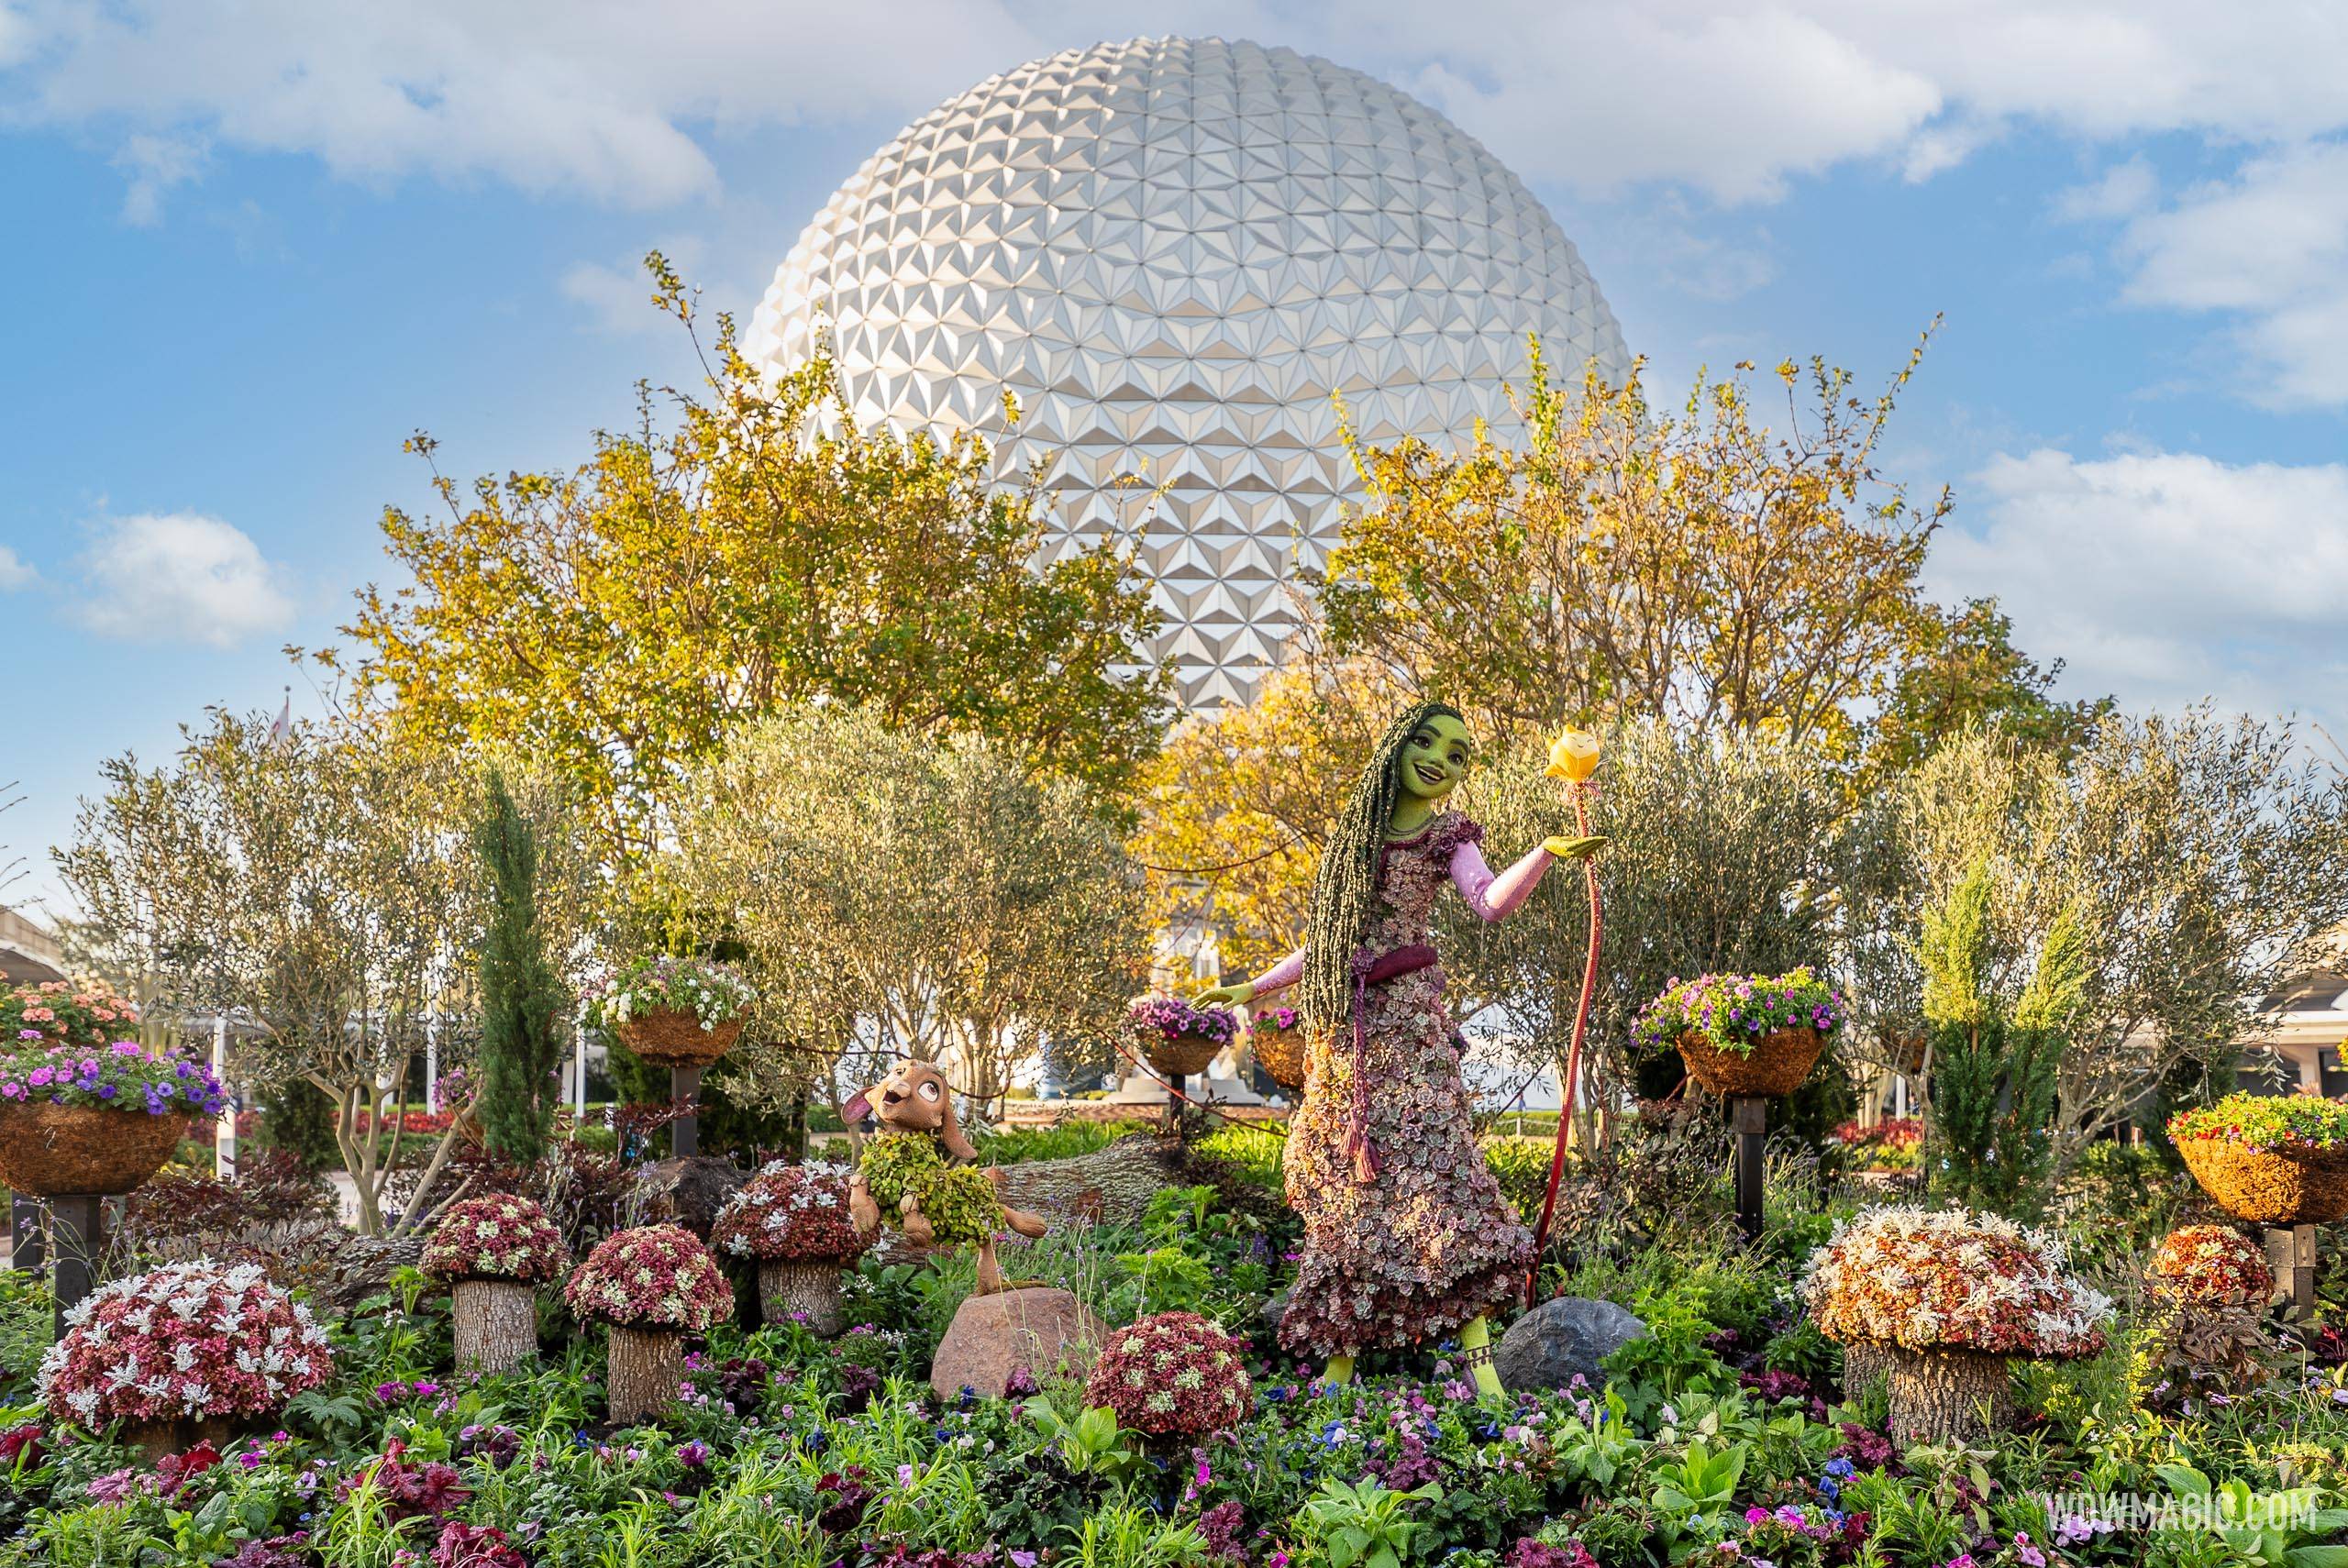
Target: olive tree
point(313, 884)
point(2196, 859)
point(908, 896)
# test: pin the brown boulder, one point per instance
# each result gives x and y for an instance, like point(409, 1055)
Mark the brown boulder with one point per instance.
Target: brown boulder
point(1046, 1331)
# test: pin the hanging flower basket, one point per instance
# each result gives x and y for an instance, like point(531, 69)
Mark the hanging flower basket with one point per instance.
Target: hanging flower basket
point(95, 1118)
point(1774, 1068)
point(672, 1038)
point(672, 1013)
point(1276, 1036)
point(48, 1151)
point(1178, 1039)
point(2269, 1159)
point(1743, 1034)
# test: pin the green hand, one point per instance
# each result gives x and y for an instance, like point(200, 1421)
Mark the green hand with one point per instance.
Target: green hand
point(1574, 848)
point(1239, 995)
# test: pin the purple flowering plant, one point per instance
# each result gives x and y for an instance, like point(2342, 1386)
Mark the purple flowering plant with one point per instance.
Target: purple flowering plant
point(119, 1077)
point(1174, 1018)
point(1278, 1019)
point(1734, 1010)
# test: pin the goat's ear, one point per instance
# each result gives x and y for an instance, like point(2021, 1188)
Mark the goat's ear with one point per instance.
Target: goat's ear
point(949, 1128)
point(860, 1107)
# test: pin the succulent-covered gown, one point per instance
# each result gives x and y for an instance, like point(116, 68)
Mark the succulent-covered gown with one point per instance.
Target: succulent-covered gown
point(1426, 1243)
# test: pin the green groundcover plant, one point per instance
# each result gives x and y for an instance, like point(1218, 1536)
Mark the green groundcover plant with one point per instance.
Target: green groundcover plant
point(1724, 1437)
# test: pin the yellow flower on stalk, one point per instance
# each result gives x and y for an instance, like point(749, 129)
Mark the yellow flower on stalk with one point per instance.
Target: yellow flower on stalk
point(1573, 755)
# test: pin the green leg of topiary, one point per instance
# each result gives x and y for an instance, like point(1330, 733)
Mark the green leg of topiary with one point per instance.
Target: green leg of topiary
point(1476, 1343)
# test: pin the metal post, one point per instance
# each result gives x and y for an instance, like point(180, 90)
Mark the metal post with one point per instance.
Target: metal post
point(685, 1133)
point(579, 1077)
point(1749, 1118)
point(2303, 1270)
point(73, 1240)
point(224, 1130)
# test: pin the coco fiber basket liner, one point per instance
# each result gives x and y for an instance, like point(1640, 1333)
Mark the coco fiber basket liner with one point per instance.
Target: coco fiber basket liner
point(1280, 1052)
point(669, 1038)
point(2270, 1187)
point(1180, 1056)
point(48, 1151)
point(1780, 1062)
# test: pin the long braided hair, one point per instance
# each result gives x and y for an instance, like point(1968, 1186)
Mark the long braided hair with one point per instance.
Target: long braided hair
point(1345, 889)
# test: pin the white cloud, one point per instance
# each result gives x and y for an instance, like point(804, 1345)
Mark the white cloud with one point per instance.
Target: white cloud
point(618, 299)
point(2269, 248)
point(155, 164)
point(180, 576)
point(2122, 191)
point(2166, 577)
point(619, 100)
point(14, 571)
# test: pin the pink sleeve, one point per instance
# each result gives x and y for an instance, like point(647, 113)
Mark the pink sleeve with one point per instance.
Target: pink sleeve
point(1495, 898)
point(1282, 974)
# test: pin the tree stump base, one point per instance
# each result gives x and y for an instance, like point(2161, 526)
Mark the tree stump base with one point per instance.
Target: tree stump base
point(809, 1292)
point(641, 1370)
point(1946, 1396)
point(156, 1441)
point(497, 1323)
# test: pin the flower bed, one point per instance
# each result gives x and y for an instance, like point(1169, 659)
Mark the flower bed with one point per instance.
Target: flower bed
point(658, 1276)
point(793, 1214)
point(1891, 1144)
point(188, 1339)
point(496, 1237)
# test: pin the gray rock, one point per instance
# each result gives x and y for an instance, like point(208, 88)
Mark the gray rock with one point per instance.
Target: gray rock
point(1549, 1345)
point(688, 1190)
point(1274, 1312)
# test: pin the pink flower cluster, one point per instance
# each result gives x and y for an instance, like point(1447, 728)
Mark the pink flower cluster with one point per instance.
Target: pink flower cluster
point(2210, 1263)
point(64, 1013)
point(496, 1237)
point(190, 1339)
point(1174, 1374)
point(793, 1214)
point(657, 1276)
point(1951, 1279)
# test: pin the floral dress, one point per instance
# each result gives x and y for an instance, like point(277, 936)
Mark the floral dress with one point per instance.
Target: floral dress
point(1426, 1241)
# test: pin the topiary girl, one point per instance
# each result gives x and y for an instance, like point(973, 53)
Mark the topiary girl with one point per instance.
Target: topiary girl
point(1408, 1237)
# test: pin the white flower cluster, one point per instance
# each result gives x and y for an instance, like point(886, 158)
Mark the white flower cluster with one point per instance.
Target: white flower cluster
point(158, 1340)
point(1950, 1278)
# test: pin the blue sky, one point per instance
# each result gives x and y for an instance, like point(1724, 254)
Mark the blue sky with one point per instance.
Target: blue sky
point(251, 246)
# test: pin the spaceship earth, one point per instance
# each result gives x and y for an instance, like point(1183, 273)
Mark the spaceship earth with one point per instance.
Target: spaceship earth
point(1177, 255)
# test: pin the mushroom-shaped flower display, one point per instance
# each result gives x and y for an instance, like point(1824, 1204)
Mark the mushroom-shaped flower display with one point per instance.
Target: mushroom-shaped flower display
point(2211, 1265)
point(494, 1249)
point(1944, 1298)
point(650, 1285)
point(182, 1346)
point(794, 1220)
point(1176, 1375)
